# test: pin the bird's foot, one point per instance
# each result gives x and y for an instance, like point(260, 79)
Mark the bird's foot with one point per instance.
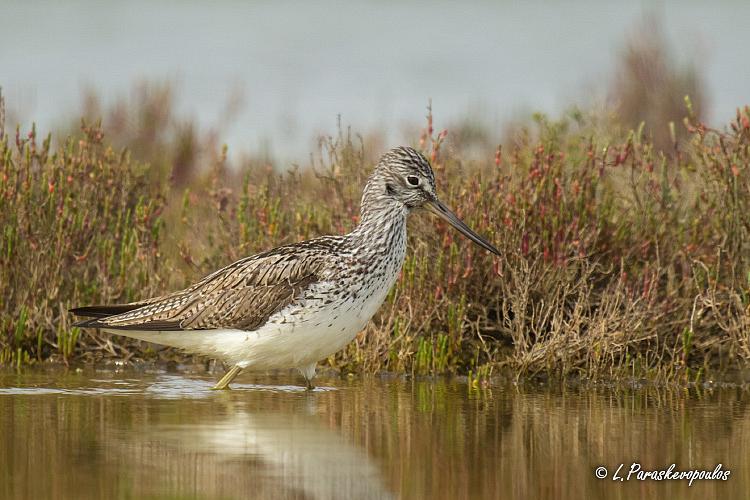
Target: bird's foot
point(227, 378)
point(309, 373)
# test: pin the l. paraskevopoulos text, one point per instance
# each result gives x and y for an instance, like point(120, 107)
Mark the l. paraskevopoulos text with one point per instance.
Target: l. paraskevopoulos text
point(671, 473)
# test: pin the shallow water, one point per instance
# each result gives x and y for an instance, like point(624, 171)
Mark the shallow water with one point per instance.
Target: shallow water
point(152, 434)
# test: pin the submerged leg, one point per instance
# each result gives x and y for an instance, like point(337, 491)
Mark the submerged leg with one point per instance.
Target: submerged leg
point(227, 378)
point(309, 373)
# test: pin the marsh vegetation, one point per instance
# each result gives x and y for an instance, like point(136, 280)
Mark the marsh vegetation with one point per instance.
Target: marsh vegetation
point(619, 258)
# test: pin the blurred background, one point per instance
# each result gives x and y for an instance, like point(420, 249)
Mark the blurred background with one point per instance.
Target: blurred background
point(268, 78)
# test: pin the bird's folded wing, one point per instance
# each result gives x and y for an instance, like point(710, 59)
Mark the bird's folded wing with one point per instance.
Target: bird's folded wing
point(242, 295)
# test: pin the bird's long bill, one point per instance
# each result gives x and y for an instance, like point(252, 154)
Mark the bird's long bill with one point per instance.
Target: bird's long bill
point(444, 212)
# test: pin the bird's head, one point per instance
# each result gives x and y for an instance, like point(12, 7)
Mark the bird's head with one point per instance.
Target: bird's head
point(404, 178)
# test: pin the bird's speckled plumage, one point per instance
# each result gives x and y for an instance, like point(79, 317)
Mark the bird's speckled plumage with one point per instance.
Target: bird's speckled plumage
point(295, 304)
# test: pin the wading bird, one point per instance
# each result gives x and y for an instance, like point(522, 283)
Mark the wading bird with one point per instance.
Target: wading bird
point(296, 304)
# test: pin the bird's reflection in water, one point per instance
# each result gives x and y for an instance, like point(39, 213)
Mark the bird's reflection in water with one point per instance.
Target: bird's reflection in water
point(110, 434)
point(240, 448)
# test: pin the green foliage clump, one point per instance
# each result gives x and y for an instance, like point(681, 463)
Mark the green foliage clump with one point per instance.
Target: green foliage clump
point(80, 224)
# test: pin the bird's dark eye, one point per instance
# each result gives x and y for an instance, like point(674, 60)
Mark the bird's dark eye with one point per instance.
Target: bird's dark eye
point(413, 180)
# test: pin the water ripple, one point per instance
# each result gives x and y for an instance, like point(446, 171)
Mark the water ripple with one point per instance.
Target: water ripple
point(165, 387)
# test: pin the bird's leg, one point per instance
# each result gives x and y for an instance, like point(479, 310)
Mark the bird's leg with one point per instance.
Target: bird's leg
point(309, 373)
point(227, 378)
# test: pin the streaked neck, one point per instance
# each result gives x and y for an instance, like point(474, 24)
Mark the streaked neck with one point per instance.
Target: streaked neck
point(381, 226)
